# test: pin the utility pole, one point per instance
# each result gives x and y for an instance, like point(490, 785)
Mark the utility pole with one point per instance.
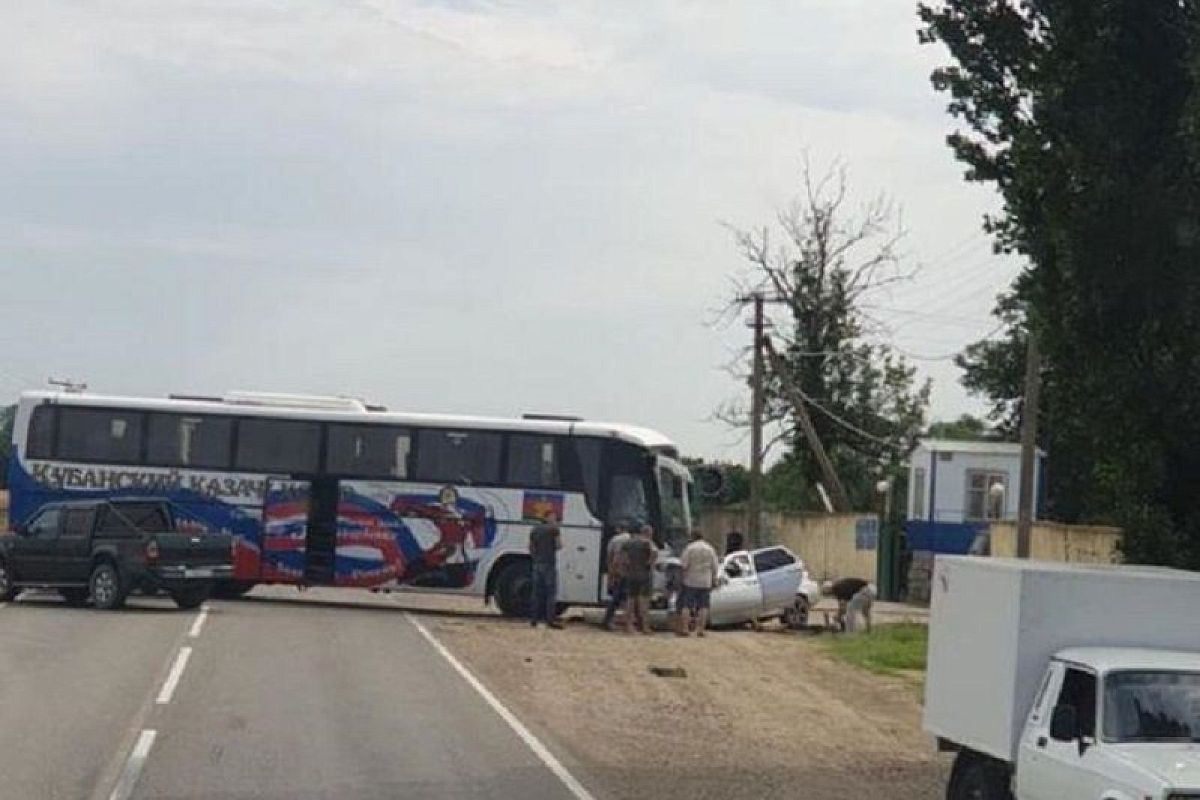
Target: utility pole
point(1029, 425)
point(756, 426)
point(841, 501)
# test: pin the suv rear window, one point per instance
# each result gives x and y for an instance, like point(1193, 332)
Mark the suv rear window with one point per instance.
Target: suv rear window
point(123, 519)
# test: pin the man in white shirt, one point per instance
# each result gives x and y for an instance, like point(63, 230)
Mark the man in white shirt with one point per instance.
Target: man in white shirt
point(700, 565)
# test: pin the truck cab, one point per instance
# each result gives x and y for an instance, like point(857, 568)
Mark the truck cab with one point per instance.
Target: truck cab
point(1113, 724)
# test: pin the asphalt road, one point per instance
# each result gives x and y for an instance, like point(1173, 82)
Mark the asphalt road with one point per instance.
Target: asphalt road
point(291, 698)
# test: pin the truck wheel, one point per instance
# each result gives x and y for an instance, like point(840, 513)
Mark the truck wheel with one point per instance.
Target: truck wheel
point(191, 597)
point(7, 590)
point(108, 590)
point(978, 778)
point(514, 589)
point(74, 597)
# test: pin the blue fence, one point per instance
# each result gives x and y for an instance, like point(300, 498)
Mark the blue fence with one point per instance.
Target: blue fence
point(952, 538)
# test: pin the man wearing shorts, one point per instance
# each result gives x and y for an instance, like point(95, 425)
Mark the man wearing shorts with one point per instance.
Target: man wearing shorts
point(700, 566)
point(637, 569)
point(616, 583)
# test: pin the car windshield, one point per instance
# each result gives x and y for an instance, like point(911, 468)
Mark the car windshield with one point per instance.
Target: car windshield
point(1144, 706)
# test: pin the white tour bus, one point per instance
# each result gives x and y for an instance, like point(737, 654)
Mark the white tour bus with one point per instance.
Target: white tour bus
point(335, 492)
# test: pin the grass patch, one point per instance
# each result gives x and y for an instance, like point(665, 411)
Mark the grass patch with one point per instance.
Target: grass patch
point(887, 650)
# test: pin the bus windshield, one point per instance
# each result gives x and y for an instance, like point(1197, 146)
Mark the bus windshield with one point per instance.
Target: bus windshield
point(673, 497)
point(1152, 706)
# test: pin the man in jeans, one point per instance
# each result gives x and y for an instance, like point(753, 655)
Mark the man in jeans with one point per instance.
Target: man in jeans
point(616, 583)
point(700, 567)
point(545, 540)
point(637, 567)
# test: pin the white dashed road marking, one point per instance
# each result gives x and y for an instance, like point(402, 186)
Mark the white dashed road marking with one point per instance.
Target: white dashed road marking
point(540, 750)
point(174, 675)
point(198, 624)
point(133, 766)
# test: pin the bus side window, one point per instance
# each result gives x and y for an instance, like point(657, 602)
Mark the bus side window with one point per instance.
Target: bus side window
point(40, 441)
point(368, 451)
point(100, 434)
point(588, 453)
point(533, 460)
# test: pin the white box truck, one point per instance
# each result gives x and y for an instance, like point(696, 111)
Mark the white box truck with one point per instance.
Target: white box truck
point(1060, 681)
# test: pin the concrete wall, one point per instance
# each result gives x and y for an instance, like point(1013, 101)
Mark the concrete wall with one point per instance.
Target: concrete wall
point(828, 543)
point(1054, 541)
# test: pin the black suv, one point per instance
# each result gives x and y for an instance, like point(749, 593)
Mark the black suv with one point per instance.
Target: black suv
point(105, 549)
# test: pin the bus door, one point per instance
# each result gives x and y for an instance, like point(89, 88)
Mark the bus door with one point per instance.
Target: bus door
point(579, 565)
point(300, 530)
point(285, 512)
point(321, 539)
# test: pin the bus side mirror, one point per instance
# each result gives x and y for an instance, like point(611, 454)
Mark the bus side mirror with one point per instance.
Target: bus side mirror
point(1064, 724)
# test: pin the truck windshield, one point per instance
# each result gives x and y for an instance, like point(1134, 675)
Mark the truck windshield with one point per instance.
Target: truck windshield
point(1152, 706)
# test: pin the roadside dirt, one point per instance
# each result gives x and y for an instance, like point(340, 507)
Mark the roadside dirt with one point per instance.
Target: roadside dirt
point(759, 714)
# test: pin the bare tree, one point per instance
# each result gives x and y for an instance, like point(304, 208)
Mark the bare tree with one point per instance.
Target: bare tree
point(819, 263)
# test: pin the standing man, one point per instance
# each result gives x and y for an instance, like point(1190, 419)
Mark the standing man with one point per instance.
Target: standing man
point(637, 566)
point(616, 582)
point(545, 540)
point(700, 567)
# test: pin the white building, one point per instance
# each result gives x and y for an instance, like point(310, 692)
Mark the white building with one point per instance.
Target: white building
point(958, 481)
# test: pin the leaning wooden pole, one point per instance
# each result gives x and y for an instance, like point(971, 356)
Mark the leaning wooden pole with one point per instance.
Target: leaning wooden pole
point(841, 501)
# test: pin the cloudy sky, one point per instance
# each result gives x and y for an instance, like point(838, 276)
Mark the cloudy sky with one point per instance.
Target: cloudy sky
point(478, 207)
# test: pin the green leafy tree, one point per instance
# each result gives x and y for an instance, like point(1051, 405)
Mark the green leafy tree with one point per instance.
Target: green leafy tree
point(1082, 113)
point(966, 427)
point(820, 264)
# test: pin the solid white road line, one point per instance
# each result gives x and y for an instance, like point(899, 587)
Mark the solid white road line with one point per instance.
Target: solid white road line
point(199, 623)
point(174, 675)
point(133, 766)
point(534, 744)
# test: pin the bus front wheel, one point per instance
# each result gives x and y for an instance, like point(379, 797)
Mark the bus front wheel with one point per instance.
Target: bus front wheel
point(514, 588)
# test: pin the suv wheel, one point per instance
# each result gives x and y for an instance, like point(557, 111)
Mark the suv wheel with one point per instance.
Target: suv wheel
point(7, 590)
point(108, 592)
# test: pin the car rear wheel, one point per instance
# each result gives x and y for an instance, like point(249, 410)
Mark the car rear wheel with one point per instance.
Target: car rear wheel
point(191, 597)
point(7, 590)
point(108, 591)
point(74, 596)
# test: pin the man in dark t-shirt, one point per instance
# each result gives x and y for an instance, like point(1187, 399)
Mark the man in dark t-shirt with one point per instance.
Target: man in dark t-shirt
point(637, 567)
point(545, 540)
point(855, 597)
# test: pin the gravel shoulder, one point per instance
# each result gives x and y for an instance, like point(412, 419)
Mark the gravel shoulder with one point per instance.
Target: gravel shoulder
point(759, 714)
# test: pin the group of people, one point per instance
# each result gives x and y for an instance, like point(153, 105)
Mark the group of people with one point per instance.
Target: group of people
point(630, 559)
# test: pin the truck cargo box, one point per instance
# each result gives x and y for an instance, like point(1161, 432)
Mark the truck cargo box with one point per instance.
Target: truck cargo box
point(996, 622)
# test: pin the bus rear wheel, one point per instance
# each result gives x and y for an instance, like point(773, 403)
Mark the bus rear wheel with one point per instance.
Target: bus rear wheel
point(514, 588)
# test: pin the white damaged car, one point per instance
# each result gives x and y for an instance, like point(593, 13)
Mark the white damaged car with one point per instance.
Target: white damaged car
point(764, 583)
